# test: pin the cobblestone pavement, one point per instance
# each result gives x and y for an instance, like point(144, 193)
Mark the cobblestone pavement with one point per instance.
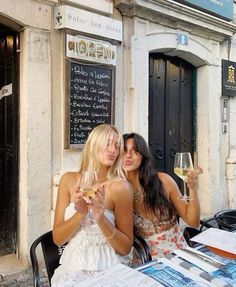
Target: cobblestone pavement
point(23, 280)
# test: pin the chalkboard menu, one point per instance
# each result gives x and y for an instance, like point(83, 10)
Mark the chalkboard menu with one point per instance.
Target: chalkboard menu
point(90, 100)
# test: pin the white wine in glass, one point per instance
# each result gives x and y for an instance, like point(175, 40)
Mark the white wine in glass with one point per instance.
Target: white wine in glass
point(183, 163)
point(88, 180)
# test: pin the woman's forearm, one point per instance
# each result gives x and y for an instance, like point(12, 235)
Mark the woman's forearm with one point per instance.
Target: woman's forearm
point(118, 240)
point(193, 210)
point(63, 231)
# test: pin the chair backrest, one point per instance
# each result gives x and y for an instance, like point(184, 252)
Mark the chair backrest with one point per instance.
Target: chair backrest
point(226, 219)
point(190, 232)
point(208, 223)
point(51, 255)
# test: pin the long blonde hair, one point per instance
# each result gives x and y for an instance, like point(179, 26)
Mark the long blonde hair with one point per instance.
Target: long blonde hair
point(94, 146)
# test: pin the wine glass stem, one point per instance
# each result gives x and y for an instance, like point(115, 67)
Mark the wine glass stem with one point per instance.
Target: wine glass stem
point(90, 215)
point(185, 194)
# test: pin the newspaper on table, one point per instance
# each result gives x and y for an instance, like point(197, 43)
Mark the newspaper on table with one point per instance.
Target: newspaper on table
point(119, 276)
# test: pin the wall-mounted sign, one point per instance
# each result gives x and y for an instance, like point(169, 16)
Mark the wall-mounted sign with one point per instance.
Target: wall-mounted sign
point(182, 39)
point(104, 6)
point(87, 22)
point(90, 50)
point(228, 78)
point(219, 8)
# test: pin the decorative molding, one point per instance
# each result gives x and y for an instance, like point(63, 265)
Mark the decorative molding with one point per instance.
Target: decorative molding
point(50, 2)
point(103, 6)
point(175, 15)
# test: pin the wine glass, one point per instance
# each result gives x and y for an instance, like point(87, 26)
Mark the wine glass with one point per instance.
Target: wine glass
point(88, 180)
point(183, 163)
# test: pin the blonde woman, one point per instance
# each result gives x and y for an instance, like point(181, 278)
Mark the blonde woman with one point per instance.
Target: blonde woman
point(94, 247)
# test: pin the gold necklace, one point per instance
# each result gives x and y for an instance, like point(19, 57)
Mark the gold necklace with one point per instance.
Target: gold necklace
point(138, 194)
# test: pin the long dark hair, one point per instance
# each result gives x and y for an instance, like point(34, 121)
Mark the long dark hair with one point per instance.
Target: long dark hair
point(155, 199)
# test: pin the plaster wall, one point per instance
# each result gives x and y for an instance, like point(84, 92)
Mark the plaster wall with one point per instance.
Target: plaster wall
point(35, 137)
point(34, 25)
point(31, 13)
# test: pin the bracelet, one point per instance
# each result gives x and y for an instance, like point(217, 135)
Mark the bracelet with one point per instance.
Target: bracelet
point(112, 236)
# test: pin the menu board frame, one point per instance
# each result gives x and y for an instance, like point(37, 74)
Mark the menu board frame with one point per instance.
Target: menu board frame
point(69, 144)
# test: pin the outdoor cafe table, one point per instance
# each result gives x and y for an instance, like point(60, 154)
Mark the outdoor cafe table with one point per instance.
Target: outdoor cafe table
point(171, 271)
point(178, 269)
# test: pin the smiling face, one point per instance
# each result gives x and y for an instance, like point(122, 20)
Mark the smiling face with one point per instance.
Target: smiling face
point(132, 158)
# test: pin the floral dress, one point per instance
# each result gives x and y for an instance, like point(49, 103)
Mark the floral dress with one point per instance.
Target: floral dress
point(162, 236)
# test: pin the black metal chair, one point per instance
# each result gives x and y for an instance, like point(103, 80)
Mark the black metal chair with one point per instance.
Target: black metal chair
point(190, 232)
point(51, 256)
point(208, 223)
point(226, 219)
point(52, 253)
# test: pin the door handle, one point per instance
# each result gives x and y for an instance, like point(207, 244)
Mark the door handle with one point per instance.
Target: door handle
point(172, 152)
point(159, 153)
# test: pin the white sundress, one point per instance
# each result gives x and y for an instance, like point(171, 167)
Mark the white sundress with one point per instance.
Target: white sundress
point(86, 254)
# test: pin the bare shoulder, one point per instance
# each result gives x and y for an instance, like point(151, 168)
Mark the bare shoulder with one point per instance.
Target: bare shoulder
point(165, 178)
point(69, 178)
point(168, 183)
point(70, 175)
point(119, 186)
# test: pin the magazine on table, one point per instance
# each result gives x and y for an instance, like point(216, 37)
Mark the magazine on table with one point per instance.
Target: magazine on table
point(226, 273)
point(203, 249)
point(170, 274)
point(198, 258)
point(217, 238)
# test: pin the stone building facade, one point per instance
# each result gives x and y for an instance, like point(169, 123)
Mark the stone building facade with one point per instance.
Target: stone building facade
point(149, 27)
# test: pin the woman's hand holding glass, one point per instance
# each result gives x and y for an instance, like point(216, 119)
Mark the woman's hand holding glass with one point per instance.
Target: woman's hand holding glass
point(97, 203)
point(80, 204)
point(192, 177)
point(87, 188)
point(89, 197)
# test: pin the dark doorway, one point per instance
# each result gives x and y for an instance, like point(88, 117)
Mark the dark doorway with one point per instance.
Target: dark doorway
point(171, 110)
point(8, 139)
